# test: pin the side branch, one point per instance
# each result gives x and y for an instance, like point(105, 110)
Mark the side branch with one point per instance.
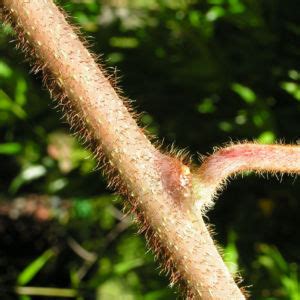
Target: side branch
point(217, 168)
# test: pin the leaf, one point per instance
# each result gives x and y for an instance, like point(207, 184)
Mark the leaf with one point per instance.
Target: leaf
point(231, 255)
point(159, 294)
point(114, 289)
point(10, 148)
point(7, 104)
point(292, 88)
point(33, 268)
point(20, 92)
point(24, 297)
point(267, 137)
point(244, 92)
point(5, 70)
point(28, 174)
point(124, 42)
point(125, 266)
point(215, 13)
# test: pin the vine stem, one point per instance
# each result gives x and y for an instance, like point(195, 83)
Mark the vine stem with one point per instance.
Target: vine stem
point(226, 162)
point(154, 181)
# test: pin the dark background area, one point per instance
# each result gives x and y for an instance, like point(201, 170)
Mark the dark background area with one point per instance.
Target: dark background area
point(204, 73)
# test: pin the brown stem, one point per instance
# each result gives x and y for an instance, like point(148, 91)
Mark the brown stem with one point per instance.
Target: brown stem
point(217, 168)
point(155, 184)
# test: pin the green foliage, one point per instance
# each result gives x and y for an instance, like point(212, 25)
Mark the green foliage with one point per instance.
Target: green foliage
point(34, 267)
point(283, 275)
point(205, 72)
point(231, 255)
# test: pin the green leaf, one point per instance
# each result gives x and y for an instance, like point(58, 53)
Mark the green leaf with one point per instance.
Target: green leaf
point(267, 137)
point(10, 148)
point(244, 92)
point(273, 260)
point(20, 92)
point(292, 88)
point(7, 104)
point(74, 278)
point(231, 254)
point(5, 70)
point(125, 266)
point(28, 174)
point(236, 6)
point(33, 268)
point(195, 18)
point(225, 126)
point(159, 294)
point(215, 13)
point(24, 297)
point(124, 42)
point(114, 289)
point(82, 208)
point(206, 106)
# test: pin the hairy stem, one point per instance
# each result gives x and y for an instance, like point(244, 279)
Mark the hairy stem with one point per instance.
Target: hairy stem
point(217, 168)
point(154, 183)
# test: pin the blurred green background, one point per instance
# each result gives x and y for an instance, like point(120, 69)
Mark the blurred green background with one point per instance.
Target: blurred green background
point(204, 73)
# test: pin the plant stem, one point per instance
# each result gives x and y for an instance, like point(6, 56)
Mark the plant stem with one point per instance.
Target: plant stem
point(151, 180)
point(217, 168)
